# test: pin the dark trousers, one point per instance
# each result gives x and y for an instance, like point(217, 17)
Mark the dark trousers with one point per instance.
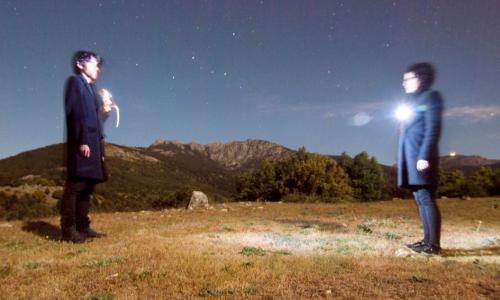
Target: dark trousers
point(75, 204)
point(429, 214)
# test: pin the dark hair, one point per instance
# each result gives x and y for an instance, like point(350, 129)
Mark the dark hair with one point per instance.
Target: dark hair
point(425, 72)
point(81, 57)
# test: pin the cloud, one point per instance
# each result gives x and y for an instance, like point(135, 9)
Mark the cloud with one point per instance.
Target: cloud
point(357, 113)
point(361, 119)
point(474, 113)
point(329, 115)
point(494, 136)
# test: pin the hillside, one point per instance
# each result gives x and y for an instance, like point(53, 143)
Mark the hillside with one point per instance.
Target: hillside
point(140, 176)
point(143, 176)
point(468, 164)
point(236, 155)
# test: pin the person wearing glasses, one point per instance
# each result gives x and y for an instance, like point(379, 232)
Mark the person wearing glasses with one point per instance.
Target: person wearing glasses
point(418, 153)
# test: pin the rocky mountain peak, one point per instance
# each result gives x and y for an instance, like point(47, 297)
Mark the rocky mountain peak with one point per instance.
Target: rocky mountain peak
point(231, 155)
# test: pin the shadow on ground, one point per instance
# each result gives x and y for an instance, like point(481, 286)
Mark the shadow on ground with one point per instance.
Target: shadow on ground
point(483, 251)
point(43, 229)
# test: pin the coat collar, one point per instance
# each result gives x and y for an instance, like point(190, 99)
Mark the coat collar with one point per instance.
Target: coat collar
point(89, 87)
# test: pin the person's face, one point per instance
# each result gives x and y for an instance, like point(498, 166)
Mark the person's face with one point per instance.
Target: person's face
point(90, 69)
point(410, 82)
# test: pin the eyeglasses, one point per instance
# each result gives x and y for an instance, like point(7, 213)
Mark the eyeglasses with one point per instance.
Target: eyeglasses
point(410, 78)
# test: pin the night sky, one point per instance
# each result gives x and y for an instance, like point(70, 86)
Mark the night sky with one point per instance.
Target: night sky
point(321, 74)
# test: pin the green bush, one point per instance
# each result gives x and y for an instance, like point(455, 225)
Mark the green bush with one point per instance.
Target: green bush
point(19, 207)
point(303, 173)
point(451, 184)
point(366, 177)
point(179, 198)
point(302, 198)
point(484, 182)
point(38, 195)
point(58, 194)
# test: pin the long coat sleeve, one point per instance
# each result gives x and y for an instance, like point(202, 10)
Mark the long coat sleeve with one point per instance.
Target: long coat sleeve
point(84, 127)
point(419, 140)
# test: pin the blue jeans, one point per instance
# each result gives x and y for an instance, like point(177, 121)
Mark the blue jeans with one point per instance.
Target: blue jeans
point(429, 214)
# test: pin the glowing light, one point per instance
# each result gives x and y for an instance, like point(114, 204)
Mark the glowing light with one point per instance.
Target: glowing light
point(453, 154)
point(403, 112)
point(107, 100)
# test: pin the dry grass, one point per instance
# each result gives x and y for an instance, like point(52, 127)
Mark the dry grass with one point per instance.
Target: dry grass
point(261, 251)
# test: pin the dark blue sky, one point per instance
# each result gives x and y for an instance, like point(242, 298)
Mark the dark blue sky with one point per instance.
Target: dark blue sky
point(322, 74)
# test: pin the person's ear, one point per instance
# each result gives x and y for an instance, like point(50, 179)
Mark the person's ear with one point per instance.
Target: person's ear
point(79, 66)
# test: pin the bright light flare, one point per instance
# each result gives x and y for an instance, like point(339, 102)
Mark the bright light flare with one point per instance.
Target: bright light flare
point(453, 154)
point(403, 112)
point(107, 100)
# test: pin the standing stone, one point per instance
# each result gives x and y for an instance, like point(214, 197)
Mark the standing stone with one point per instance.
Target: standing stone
point(198, 200)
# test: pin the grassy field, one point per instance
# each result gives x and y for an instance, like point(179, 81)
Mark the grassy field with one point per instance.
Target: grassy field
point(259, 251)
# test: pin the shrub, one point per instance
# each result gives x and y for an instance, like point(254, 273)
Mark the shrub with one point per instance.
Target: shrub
point(366, 176)
point(179, 198)
point(58, 194)
point(301, 174)
point(26, 206)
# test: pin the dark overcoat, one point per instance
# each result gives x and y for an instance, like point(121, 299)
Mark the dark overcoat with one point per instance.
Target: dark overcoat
point(419, 140)
point(84, 127)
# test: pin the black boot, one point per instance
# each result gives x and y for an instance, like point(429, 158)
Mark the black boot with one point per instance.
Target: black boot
point(416, 245)
point(69, 234)
point(429, 250)
point(89, 233)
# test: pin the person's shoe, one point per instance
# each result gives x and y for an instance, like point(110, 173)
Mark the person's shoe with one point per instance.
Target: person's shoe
point(71, 235)
point(429, 250)
point(416, 245)
point(90, 234)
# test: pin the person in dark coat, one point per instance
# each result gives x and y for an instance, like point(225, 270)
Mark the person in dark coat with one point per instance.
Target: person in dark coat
point(85, 146)
point(418, 153)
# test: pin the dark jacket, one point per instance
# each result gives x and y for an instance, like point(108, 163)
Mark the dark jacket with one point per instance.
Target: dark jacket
point(419, 140)
point(84, 127)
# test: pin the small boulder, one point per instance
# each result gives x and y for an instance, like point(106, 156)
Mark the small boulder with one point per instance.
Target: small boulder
point(402, 252)
point(198, 200)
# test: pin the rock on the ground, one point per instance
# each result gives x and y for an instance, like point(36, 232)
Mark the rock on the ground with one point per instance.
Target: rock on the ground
point(403, 252)
point(198, 200)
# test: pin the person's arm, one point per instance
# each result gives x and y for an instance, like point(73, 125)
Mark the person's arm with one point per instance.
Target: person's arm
point(433, 116)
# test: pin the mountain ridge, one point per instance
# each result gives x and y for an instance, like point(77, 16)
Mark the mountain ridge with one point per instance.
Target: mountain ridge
point(172, 164)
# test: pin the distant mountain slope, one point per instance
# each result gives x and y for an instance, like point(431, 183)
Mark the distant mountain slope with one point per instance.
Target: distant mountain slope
point(163, 166)
point(230, 156)
point(468, 164)
point(169, 165)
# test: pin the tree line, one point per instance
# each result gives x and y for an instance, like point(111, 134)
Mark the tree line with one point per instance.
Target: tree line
point(300, 177)
point(484, 182)
point(306, 177)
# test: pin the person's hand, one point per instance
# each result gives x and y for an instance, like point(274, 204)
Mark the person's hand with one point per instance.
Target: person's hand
point(422, 165)
point(106, 100)
point(106, 105)
point(106, 108)
point(85, 151)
